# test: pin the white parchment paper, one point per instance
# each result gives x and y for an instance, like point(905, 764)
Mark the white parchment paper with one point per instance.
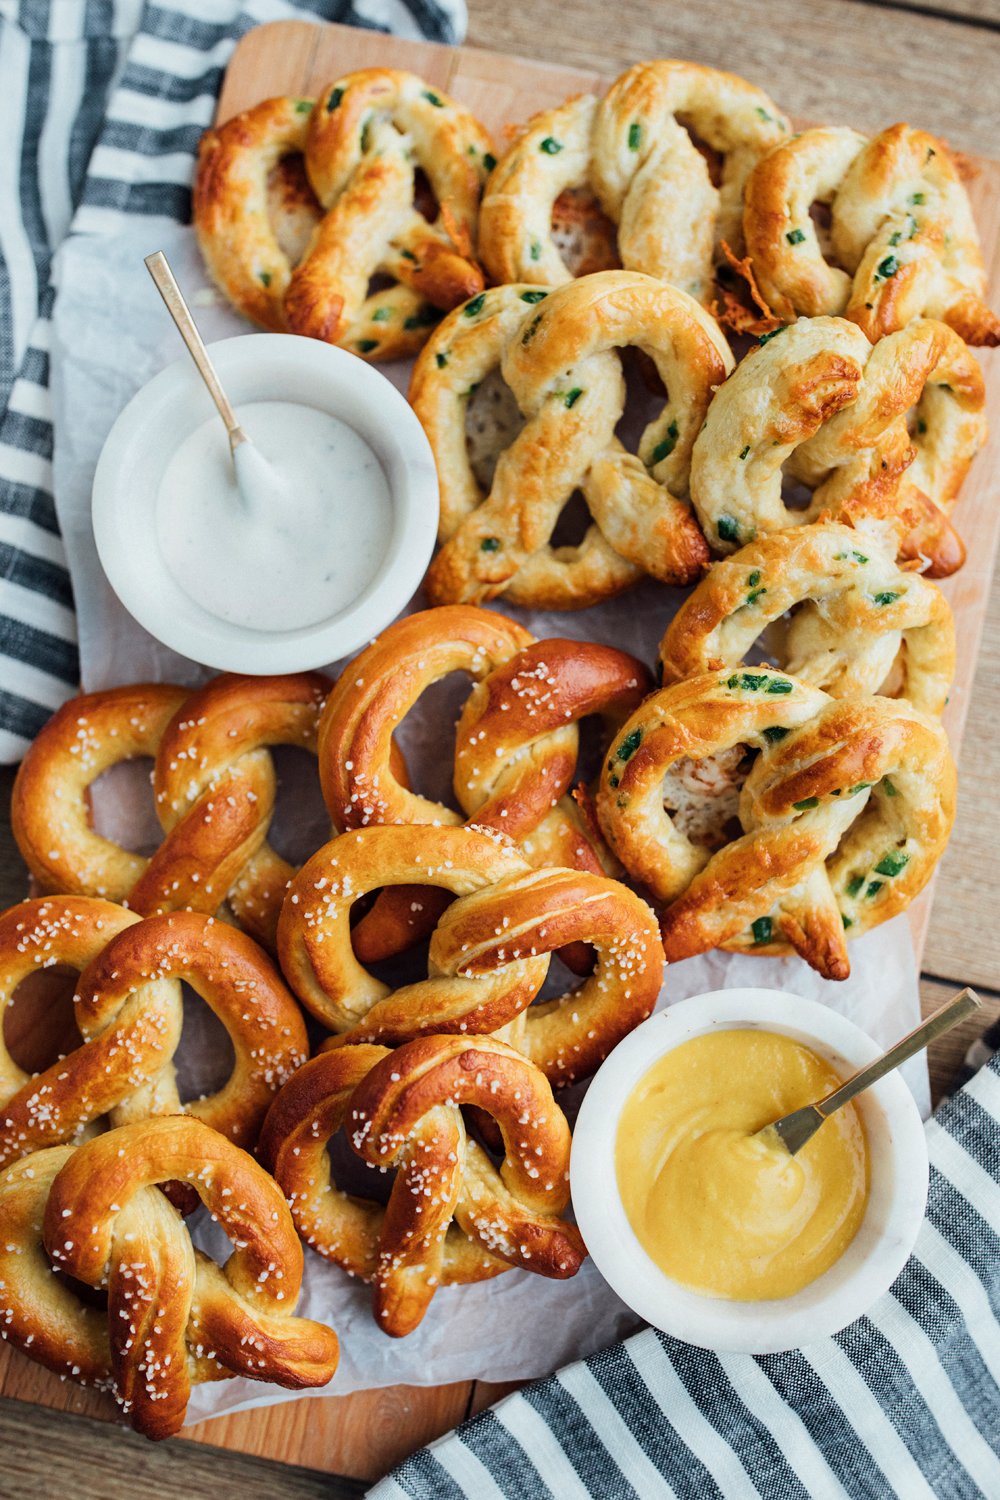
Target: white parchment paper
point(110, 335)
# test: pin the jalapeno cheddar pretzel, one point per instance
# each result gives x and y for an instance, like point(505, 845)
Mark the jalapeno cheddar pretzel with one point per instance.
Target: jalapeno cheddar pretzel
point(633, 150)
point(556, 352)
point(901, 242)
point(452, 1216)
point(817, 401)
point(129, 1011)
point(515, 747)
point(363, 143)
point(837, 825)
point(857, 621)
point(214, 790)
point(174, 1318)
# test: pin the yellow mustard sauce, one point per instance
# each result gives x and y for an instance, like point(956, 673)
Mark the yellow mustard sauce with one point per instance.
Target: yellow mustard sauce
point(717, 1211)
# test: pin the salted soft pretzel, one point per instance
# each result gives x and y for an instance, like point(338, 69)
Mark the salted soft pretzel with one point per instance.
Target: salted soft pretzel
point(363, 142)
point(174, 1318)
point(556, 352)
point(452, 1216)
point(129, 1011)
point(214, 791)
point(515, 747)
point(837, 826)
point(819, 402)
point(859, 621)
point(489, 953)
point(901, 241)
point(634, 149)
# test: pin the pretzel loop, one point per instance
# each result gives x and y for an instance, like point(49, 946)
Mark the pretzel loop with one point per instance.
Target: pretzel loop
point(859, 622)
point(818, 399)
point(842, 817)
point(214, 786)
point(369, 133)
point(348, 1229)
point(634, 151)
point(302, 255)
point(512, 1214)
point(175, 1318)
point(901, 242)
point(129, 1012)
point(560, 365)
point(515, 747)
point(314, 937)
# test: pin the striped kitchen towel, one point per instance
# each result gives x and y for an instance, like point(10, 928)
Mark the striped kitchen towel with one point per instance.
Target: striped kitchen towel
point(904, 1403)
point(102, 103)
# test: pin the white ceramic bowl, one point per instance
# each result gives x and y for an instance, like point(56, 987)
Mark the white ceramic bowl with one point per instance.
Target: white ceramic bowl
point(873, 1260)
point(260, 367)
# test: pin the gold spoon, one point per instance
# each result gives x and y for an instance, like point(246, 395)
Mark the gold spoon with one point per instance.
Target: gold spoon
point(166, 284)
point(792, 1131)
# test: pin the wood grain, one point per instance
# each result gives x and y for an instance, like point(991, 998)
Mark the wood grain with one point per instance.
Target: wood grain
point(831, 60)
point(47, 1453)
point(834, 59)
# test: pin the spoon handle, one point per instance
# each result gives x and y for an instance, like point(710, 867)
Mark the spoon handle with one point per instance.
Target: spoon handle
point(166, 285)
point(961, 1005)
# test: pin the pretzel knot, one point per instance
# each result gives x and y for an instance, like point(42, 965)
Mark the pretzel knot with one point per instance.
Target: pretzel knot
point(174, 1318)
point(515, 749)
point(489, 954)
point(901, 242)
point(452, 1216)
point(556, 351)
point(214, 789)
point(837, 826)
point(129, 1011)
point(817, 401)
point(364, 143)
point(634, 151)
point(857, 622)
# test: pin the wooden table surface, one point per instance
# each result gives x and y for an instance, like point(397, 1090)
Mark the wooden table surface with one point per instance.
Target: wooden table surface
point(863, 62)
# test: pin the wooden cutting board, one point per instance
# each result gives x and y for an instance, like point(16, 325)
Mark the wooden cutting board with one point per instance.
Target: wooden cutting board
point(365, 1434)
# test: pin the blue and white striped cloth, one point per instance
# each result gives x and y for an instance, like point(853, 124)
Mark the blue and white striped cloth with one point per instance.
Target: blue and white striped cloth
point(102, 103)
point(904, 1403)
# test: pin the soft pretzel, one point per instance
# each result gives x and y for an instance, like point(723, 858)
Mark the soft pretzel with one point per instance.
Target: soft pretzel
point(174, 1318)
point(451, 1216)
point(515, 747)
point(837, 827)
point(129, 1010)
point(633, 150)
point(819, 401)
point(856, 617)
point(348, 1229)
point(556, 352)
point(901, 241)
point(489, 953)
point(364, 141)
point(214, 789)
point(241, 236)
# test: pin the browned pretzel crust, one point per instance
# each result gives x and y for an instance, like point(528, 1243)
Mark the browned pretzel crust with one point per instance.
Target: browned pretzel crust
point(214, 786)
point(515, 747)
point(363, 142)
point(489, 953)
point(859, 622)
point(558, 354)
point(901, 242)
point(452, 1216)
point(841, 820)
point(129, 1011)
point(174, 1318)
point(817, 402)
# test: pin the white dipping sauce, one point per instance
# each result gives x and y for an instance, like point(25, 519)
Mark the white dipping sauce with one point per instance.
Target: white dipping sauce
point(298, 538)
